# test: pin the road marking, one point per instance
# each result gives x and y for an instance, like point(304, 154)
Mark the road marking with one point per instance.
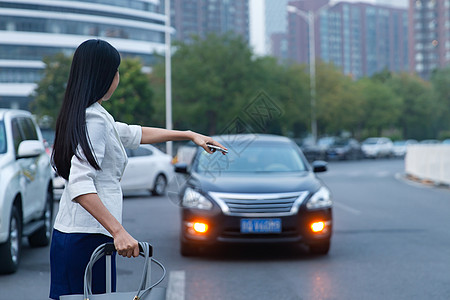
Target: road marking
point(347, 208)
point(175, 288)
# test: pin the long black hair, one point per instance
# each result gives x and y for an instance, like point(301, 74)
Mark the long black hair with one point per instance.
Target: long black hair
point(94, 65)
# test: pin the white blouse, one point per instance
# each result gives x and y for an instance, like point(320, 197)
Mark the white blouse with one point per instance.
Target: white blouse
point(108, 139)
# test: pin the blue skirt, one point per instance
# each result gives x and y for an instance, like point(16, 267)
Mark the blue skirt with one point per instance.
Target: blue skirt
point(69, 255)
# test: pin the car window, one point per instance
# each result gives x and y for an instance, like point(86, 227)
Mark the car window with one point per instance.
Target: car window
point(141, 151)
point(255, 158)
point(17, 135)
point(28, 129)
point(2, 138)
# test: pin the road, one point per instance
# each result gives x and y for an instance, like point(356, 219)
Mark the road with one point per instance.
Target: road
point(391, 241)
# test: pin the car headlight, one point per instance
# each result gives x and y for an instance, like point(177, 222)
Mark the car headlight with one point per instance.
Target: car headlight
point(194, 199)
point(320, 199)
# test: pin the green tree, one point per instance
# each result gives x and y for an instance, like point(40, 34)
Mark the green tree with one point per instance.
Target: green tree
point(213, 80)
point(381, 106)
point(440, 81)
point(339, 102)
point(50, 90)
point(132, 101)
point(416, 117)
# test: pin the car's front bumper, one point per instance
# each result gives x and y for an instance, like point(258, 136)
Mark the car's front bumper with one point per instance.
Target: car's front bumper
point(227, 229)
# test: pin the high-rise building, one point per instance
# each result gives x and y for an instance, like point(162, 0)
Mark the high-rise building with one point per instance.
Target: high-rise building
point(429, 35)
point(360, 38)
point(31, 30)
point(276, 26)
point(200, 17)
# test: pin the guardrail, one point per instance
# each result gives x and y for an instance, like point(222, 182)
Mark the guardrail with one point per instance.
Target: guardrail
point(428, 163)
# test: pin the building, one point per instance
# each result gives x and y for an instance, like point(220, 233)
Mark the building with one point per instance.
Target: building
point(360, 38)
point(200, 17)
point(276, 26)
point(429, 23)
point(31, 30)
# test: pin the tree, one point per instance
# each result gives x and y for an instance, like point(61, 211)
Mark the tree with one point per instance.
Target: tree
point(131, 103)
point(213, 80)
point(381, 106)
point(416, 117)
point(49, 93)
point(339, 102)
point(440, 81)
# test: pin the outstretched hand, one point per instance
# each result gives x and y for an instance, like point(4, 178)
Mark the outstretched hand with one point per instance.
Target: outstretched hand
point(203, 141)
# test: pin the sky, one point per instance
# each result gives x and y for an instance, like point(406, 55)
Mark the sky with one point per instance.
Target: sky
point(258, 25)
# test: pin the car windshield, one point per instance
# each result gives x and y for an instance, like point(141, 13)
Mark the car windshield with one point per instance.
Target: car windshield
point(253, 159)
point(341, 142)
point(370, 142)
point(399, 143)
point(2, 138)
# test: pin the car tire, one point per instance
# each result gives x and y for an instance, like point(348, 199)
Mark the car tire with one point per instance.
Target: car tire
point(42, 236)
point(187, 249)
point(10, 251)
point(321, 248)
point(160, 186)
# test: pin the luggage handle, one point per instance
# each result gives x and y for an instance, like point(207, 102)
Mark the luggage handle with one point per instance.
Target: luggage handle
point(109, 249)
point(144, 287)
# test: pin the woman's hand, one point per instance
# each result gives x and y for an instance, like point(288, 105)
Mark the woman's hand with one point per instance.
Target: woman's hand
point(125, 244)
point(203, 141)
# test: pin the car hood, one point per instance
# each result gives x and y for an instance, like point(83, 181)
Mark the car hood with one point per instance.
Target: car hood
point(255, 182)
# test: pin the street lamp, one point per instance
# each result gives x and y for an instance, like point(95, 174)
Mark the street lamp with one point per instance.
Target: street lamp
point(309, 17)
point(169, 144)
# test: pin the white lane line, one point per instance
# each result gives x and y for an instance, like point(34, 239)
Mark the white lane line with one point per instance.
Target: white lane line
point(175, 288)
point(347, 208)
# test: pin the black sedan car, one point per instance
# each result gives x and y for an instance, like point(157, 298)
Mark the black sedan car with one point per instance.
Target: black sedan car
point(262, 191)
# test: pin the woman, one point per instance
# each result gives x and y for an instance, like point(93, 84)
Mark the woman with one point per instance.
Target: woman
point(89, 154)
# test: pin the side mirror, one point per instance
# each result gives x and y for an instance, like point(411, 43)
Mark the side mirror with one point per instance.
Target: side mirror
point(181, 168)
point(30, 148)
point(320, 166)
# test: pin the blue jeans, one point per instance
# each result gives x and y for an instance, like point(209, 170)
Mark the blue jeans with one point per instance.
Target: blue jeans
point(69, 255)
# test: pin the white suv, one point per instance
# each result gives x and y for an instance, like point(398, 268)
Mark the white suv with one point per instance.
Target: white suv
point(26, 192)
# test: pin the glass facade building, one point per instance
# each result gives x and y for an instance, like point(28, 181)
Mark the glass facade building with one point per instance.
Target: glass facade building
point(31, 30)
point(429, 22)
point(200, 17)
point(360, 38)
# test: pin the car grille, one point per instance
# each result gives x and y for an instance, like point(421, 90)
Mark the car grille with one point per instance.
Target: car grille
point(279, 204)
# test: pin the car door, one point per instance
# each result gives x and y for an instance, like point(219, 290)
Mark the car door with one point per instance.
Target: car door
point(27, 172)
point(140, 170)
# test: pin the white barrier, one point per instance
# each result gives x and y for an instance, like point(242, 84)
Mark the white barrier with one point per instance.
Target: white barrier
point(429, 162)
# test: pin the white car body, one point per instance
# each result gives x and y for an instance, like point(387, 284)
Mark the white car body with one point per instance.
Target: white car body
point(376, 147)
point(26, 193)
point(148, 168)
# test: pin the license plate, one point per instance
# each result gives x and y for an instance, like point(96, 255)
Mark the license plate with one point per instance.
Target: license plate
point(260, 225)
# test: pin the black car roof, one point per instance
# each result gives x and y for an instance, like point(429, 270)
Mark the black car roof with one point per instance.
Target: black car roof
point(252, 137)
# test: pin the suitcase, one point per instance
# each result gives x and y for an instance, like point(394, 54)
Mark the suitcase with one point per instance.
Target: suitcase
point(145, 291)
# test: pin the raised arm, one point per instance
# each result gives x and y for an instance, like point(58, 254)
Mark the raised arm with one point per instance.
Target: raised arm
point(152, 135)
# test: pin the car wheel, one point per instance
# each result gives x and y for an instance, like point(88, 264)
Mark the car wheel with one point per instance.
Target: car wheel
point(42, 236)
point(160, 185)
point(320, 248)
point(187, 249)
point(10, 250)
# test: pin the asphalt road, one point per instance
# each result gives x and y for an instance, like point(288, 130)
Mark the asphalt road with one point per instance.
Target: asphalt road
point(391, 241)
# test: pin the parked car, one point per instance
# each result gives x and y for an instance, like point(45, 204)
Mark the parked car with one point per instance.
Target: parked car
point(377, 147)
point(263, 190)
point(344, 149)
point(401, 146)
point(26, 192)
point(312, 151)
point(148, 168)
